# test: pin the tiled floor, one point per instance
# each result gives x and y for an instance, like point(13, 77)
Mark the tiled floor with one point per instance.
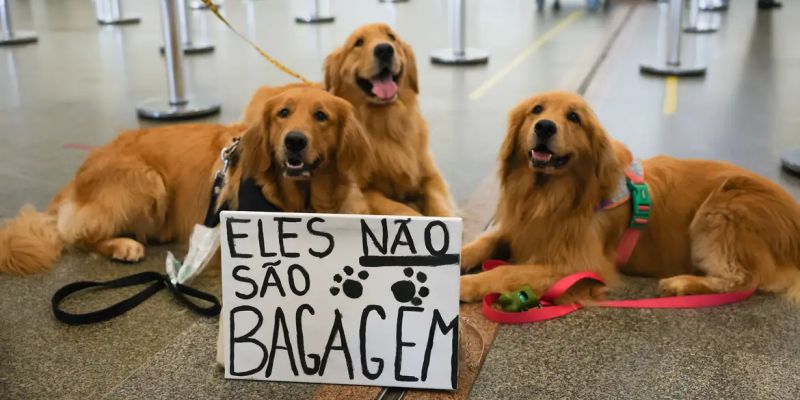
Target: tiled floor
point(81, 82)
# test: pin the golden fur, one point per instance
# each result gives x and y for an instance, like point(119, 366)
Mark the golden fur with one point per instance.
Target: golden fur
point(403, 178)
point(714, 226)
point(155, 183)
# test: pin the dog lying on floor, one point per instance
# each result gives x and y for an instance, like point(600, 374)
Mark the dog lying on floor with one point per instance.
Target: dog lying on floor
point(713, 228)
point(156, 183)
point(376, 71)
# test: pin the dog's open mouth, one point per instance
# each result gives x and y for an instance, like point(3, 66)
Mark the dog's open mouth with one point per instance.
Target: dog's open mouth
point(296, 168)
point(542, 157)
point(381, 88)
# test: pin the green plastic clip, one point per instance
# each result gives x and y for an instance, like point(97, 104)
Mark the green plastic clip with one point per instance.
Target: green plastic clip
point(640, 203)
point(521, 300)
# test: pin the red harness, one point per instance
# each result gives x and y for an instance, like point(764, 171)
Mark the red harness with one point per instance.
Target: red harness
point(640, 207)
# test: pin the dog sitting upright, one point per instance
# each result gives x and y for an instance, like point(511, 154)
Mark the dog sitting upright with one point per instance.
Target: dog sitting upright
point(155, 183)
point(713, 227)
point(376, 72)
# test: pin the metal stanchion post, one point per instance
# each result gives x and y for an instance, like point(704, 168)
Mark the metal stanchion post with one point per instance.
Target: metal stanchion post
point(7, 34)
point(178, 105)
point(695, 24)
point(713, 5)
point(673, 64)
point(316, 16)
point(109, 12)
point(188, 45)
point(791, 161)
point(459, 54)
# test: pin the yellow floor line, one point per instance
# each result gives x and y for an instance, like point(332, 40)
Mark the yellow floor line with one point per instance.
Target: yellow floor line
point(497, 77)
point(670, 95)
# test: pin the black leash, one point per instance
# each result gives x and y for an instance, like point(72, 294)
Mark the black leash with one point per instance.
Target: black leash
point(160, 281)
point(250, 197)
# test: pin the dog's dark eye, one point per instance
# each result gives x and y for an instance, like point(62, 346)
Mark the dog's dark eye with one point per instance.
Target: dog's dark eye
point(391, 37)
point(359, 42)
point(574, 117)
point(538, 109)
point(283, 113)
point(320, 116)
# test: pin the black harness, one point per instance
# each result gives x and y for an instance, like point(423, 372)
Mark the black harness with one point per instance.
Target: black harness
point(251, 198)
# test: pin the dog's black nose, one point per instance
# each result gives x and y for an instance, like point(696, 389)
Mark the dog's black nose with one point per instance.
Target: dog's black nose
point(384, 52)
point(545, 129)
point(295, 142)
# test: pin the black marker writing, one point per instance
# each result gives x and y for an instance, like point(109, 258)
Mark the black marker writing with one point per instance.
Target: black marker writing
point(326, 235)
point(403, 230)
point(301, 343)
point(362, 334)
point(438, 321)
point(280, 323)
point(231, 236)
point(246, 338)
point(398, 354)
point(337, 330)
point(286, 235)
point(244, 279)
point(382, 246)
point(261, 245)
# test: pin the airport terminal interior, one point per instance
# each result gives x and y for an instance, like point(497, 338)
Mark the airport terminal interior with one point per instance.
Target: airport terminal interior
point(80, 83)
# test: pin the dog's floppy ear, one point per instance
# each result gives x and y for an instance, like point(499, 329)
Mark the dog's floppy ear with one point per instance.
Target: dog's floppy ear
point(256, 151)
point(612, 157)
point(333, 66)
point(508, 150)
point(353, 150)
point(411, 66)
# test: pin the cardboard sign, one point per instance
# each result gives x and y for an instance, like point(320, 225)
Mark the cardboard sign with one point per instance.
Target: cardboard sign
point(349, 299)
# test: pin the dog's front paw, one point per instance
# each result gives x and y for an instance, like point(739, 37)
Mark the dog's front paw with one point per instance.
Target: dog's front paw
point(470, 257)
point(438, 207)
point(471, 290)
point(122, 249)
point(442, 212)
point(682, 285)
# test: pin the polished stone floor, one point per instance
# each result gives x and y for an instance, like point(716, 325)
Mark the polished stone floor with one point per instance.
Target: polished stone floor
point(81, 82)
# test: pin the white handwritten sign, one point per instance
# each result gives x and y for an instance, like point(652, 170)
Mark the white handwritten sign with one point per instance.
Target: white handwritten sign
point(349, 299)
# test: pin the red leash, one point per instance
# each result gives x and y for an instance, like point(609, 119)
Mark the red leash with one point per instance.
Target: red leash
point(549, 310)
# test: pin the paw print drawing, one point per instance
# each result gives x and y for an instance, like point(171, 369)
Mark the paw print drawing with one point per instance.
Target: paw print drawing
point(406, 290)
point(351, 287)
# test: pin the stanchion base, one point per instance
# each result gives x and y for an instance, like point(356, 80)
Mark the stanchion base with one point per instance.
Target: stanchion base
point(718, 5)
point(314, 19)
point(194, 48)
point(471, 56)
point(672, 70)
point(702, 27)
point(119, 21)
point(791, 161)
point(18, 37)
point(393, 1)
point(161, 109)
point(199, 5)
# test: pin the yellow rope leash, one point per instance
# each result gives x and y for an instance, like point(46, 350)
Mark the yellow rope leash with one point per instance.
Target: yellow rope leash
point(214, 9)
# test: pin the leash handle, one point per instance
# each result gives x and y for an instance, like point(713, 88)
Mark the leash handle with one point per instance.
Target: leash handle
point(550, 311)
point(160, 281)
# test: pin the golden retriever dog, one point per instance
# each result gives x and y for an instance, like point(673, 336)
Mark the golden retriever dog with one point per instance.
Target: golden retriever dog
point(714, 227)
point(376, 71)
point(156, 183)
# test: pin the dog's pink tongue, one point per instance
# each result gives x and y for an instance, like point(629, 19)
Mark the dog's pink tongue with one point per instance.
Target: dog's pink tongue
point(541, 156)
point(385, 89)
